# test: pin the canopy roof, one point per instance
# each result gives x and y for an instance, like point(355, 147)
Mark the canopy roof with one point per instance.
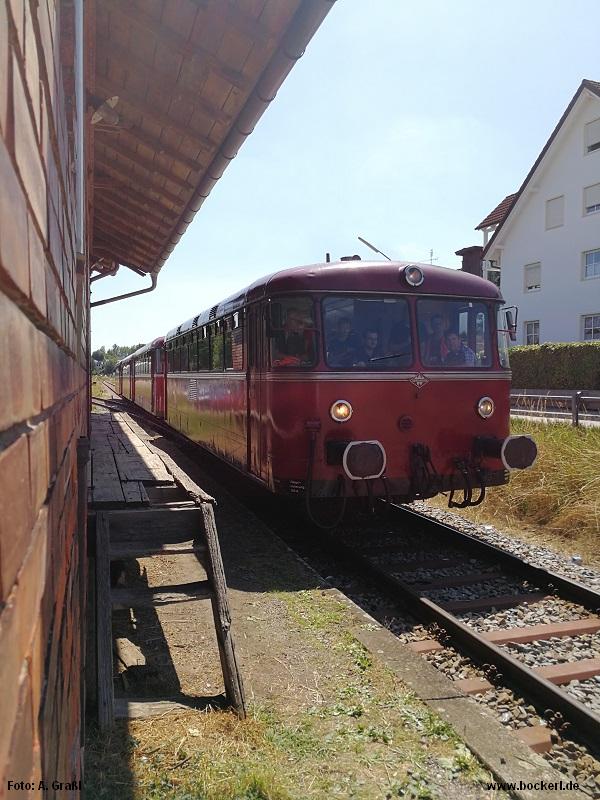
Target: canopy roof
point(176, 87)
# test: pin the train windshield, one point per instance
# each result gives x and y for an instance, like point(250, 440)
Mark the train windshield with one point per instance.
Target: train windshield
point(454, 333)
point(367, 333)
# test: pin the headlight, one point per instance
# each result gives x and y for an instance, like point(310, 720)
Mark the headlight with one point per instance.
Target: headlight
point(414, 275)
point(341, 411)
point(485, 407)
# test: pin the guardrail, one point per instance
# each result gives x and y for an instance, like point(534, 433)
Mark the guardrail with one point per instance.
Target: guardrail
point(578, 405)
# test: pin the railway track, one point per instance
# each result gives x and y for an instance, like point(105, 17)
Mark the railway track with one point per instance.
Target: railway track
point(526, 627)
point(466, 588)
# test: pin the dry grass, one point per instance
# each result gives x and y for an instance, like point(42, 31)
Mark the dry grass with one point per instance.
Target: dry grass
point(557, 501)
point(365, 736)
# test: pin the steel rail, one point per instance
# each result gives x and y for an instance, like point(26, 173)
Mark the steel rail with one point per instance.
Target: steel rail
point(569, 589)
point(585, 722)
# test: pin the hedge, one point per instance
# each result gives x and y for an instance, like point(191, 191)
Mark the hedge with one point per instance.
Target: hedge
point(558, 365)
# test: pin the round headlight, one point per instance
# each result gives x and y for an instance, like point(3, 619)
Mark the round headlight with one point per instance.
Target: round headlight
point(414, 275)
point(485, 407)
point(341, 411)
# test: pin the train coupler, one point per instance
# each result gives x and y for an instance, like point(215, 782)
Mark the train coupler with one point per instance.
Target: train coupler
point(472, 480)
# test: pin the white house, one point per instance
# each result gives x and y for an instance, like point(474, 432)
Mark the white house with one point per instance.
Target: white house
point(545, 239)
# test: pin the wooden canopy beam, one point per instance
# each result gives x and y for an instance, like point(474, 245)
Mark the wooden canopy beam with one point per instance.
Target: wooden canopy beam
point(111, 222)
point(138, 135)
point(137, 202)
point(123, 176)
point(142, 106)
point(147, 23)
point(145, 163)
point(131, 217)
point(126, 248)
point(133, 209)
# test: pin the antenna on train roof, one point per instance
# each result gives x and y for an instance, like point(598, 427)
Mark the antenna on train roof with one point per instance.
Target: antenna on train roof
point(364, 241)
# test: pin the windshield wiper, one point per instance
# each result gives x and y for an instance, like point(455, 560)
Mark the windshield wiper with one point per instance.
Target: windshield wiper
point(394, 355)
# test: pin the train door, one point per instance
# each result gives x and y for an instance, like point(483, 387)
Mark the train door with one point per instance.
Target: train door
point(256, 354)
point(120, 381)
point(132, 371)
point(158, 382)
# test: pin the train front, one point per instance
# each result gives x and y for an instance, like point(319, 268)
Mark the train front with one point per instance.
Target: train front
point(398, 388)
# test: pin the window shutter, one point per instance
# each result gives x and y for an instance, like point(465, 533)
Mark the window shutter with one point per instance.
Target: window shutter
point(592, 196)
point(555, 212)
point(592, 135)
point(533, 277)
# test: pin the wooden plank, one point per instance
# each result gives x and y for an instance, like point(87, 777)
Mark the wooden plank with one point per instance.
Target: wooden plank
point(103, 624)
point(425, 646)
point(456, 580)
point(141, 709)
point(573, 670)
point(132, 467)
point(473, 685)
point(144, 596)
point(499, 601)
point(537, 737)
point(134, 493)
point(234, 688)
point(182, 479)
point(107, 491)
point(164, 524)
point(534, 633)
point(142, 547)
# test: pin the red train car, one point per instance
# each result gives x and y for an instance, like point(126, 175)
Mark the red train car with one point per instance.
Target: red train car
point(347, 379)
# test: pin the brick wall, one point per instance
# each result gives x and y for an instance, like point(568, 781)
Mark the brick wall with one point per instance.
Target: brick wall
point(43, 397)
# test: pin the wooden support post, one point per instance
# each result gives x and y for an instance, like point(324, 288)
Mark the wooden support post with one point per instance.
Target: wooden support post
point(83, 454)
point(232, 678)
point(575, 403)
point(104, 624)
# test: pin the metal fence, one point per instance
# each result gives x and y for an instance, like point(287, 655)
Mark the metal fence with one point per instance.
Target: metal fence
point(577, 405)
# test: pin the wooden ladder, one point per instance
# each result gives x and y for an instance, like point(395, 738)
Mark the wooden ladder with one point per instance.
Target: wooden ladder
point(138, 533)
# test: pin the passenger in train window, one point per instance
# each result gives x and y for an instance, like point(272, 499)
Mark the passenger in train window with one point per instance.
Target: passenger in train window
point(343, 344)
point(458, 353)
point(436, 346)
point(399, 349)
point(369, 351)
point(294, 344)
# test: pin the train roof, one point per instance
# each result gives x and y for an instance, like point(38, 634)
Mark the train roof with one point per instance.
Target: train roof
point(143, 350)
point(349, 276)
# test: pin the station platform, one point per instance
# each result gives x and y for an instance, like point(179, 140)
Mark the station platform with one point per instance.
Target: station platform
point(319, 673)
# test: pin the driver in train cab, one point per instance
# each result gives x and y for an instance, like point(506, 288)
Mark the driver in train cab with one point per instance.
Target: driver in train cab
point(369, 350)
point(458, 353)
point(292, 344)
point(343, 344)
point(436, 347)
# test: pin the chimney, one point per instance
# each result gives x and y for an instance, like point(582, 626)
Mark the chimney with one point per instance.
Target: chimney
point(471, 259)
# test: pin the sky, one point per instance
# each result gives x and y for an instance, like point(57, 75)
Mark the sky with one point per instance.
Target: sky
point(404, 122)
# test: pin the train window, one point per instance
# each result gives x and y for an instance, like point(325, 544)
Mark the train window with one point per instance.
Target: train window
point(193, 351)
point(216, 347)
point(292, 331)
point(454, 333)
point(158, 361)
point(183, 354)
point(227, 343)
point(367, 332)
point(503, 339)
point(237, 343)
point(203, 351)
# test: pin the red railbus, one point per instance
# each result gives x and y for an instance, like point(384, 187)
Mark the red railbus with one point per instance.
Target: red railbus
point(347, 379)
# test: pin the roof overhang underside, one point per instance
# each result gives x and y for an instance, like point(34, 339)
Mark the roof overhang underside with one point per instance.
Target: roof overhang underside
point(176, 88)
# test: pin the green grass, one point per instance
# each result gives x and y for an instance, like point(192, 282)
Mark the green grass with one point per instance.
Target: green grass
point(559, 497)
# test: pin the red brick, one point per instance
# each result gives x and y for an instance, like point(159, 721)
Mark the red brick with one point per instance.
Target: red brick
point(38, 266)
point(14, 258)
point(27, 153)
point(11, 664)
point(37, 663)
point(39, 470)
point(20, 759)
point(4, 53)
point(32, 71)
point(15, 510)
point(53, 301)
point(19, 364)
point(17, 11)
point(30, 585)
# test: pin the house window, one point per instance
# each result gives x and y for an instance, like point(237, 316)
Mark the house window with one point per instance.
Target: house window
point(592, 136)
point(555, 212)
point(591, 327)
point(591, 198)
point(533, 277)
point(591, 264)
point(532, 332)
